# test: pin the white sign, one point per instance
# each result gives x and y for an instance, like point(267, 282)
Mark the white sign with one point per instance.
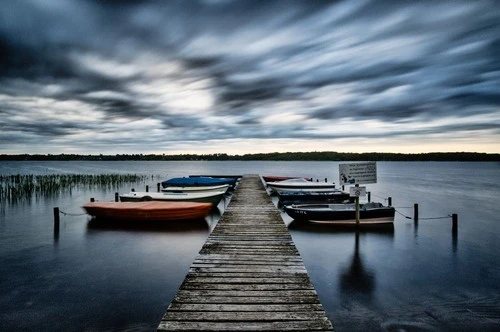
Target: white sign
point(357, 173)
point(357, 191)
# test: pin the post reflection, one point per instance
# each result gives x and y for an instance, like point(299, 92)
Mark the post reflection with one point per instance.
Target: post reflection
point(356, 277)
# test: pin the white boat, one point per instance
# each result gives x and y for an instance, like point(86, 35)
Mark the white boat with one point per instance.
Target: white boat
point(204, 189)
point(205, 197)
point(301, 184)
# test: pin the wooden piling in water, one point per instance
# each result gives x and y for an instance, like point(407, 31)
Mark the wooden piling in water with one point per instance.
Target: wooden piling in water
point(56, 220)
point(248, 274)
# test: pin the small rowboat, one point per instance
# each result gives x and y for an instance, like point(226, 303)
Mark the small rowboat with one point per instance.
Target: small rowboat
point(301, 185)
point(147, 211)
point(313, 197)
point(198, 181)
point(205, 189)
point(273, 178)
point(213, 197)
point(342, 214)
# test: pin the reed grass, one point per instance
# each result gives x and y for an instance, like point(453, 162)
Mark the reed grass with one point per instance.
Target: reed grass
point(15, 188)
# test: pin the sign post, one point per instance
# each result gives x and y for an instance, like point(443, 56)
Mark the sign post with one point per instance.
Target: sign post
point(356, 173)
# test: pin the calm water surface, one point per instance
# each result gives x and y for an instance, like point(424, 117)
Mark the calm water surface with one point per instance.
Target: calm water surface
point(417, 277)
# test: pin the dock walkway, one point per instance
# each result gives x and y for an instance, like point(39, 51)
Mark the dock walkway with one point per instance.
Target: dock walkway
point(248, 275)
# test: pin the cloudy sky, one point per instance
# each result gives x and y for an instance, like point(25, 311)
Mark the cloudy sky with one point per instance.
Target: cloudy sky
point(222, 76)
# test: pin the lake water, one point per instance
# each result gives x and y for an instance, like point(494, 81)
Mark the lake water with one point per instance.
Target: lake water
point(418, 277)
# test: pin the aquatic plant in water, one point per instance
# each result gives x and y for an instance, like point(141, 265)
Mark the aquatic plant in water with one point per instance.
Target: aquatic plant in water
point(16, 188)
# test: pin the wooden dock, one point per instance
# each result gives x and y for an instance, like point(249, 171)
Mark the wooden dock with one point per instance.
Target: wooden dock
point(248, 275)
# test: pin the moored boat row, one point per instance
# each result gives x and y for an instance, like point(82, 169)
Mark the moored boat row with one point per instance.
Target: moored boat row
point(317, 202)
point(213, 197)
point(180, 199)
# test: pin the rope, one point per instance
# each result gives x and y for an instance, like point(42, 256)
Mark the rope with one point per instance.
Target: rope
point(407, 217)
point(72, 214)
point(434, 218)
point(429, 218)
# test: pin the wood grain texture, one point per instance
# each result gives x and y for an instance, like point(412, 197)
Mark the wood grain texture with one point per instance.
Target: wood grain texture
point(248, 276)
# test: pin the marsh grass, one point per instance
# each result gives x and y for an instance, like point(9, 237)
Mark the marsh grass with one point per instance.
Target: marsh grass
point(17, 188)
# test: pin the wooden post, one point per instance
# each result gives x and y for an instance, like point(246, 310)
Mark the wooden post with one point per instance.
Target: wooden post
point(415, 212)
point(389, 201)
point(92, 199)
point(147, 188)
point(454, 220)
point(117, 197)
point(357, 208)
point(369, 196)
point(56, 220)
point(158, 187)
point(357, 211)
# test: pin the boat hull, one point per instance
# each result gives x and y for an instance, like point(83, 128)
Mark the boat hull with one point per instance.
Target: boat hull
point(323, 187)
point(328, 214)
point(204, 189)
point(272, 178)
point(211, 197)
point(198, 181)
point(297, 197)
point(147, 211)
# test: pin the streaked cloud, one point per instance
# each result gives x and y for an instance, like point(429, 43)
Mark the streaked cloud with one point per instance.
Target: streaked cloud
point(151, 76)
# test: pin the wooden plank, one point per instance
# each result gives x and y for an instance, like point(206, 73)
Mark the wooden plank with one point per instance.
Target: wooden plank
point(247, 287)
point(245, 299)
point(243, 316)
point(313, 325)
point(243, 278)
point(248, 275)
point(245, 307)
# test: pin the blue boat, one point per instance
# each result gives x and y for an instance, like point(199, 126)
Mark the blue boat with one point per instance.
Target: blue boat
point(198, 181)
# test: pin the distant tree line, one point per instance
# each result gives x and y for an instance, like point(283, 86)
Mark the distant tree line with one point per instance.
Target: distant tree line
point(275, 156)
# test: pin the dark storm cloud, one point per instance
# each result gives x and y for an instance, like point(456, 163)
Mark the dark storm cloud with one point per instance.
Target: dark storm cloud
point(244, 69)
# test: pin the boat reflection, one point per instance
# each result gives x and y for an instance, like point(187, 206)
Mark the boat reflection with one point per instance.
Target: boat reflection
point(305, 226)
point(356, 278)
point(171, 226)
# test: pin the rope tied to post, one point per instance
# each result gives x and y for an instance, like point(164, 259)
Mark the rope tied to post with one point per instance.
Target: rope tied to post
point(428, 218)
point(72, 214)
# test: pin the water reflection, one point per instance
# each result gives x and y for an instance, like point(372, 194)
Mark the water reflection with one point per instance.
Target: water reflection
point(305, 226)
point(357, 278)
point(174, 226)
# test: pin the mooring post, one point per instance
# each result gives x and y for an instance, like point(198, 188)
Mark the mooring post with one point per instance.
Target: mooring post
point(147, 188)
point(454, 220)
point(357, 208)
point(326, 179)
point(415, 212)
point(92, 199)
point(369, 196)
point(117, 197)
point(133, 189)
point(56, 220)
point(158, 187)
point(389, 201)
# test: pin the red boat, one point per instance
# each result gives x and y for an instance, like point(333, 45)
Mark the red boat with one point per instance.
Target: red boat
point(147, 211)
point(272, 178)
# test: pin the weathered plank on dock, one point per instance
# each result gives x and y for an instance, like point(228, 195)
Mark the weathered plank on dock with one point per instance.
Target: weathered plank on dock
point(248, 275)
